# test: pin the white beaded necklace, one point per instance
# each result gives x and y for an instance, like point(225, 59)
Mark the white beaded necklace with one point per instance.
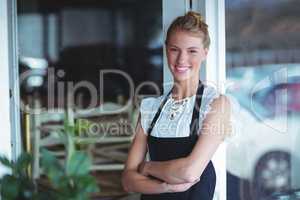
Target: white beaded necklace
point(177, 107)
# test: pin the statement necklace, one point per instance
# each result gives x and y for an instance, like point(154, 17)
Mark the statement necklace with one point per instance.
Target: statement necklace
point(177, 106)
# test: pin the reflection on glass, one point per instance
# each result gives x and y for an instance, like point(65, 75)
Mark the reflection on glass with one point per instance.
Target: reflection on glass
point(263, 68)
point(78, 40)
point(88, 59)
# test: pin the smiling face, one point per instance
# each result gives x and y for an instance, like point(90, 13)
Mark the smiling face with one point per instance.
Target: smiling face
point(185, 53)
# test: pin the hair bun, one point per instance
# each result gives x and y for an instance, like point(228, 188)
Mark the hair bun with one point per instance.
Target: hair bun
point(192, 22)
point(195, 15)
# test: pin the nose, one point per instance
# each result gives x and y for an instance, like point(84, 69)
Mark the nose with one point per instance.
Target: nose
point(182, 57)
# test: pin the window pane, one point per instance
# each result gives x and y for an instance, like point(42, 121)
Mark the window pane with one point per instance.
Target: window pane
point(64, 46)
point(77, 40)
point(263, 71)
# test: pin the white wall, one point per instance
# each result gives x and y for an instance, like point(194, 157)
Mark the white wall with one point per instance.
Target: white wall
point(5, 128)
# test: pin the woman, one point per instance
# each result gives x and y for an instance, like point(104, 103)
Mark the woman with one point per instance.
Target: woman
point(180, 130)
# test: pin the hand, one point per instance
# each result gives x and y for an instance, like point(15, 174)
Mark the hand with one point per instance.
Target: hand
point(179, 187)
point(142, 169)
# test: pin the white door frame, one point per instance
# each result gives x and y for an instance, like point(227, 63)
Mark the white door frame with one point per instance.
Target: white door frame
point(10, 143)
point(215, 72)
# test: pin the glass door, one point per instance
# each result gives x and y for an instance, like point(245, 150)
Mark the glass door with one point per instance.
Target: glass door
point(263, 73)
point(88, 59)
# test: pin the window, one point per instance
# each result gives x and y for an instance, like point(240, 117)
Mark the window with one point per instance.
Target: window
point(75, 41)
point(64, 46)
point(263, 66)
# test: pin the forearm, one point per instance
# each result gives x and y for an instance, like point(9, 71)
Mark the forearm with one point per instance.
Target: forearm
point(132, 181)
point(187, 169)
point(174, 171)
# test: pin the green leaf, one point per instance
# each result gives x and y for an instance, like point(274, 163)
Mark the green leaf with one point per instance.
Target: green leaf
point(69, 145)
point(9, 187)
point(47, 195)
point(23, 162)
point(51, 166)
point(4, 161)
point(49, 160)
point(68, 141)
point(69, 129)
point(87, 184)
point(78, 164)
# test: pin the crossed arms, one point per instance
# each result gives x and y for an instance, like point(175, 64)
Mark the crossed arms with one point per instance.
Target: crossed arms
point(179, 174)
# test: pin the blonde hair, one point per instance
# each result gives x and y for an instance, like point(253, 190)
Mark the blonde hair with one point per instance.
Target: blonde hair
point(191, 22)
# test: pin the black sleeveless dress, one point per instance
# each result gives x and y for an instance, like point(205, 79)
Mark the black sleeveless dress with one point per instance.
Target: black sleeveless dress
point(162, 149)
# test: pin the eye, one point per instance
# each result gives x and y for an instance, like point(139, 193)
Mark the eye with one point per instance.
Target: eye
point(173, 49)
point(193, 51)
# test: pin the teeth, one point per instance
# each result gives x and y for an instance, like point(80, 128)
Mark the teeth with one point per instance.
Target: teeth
point(181, 69)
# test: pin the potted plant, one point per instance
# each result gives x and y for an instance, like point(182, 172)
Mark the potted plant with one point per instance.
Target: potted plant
point(67, 180)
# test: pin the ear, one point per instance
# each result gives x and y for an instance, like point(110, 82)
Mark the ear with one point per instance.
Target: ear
point(205, 53)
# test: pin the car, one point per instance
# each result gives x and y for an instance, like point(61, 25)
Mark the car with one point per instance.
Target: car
point(262, 152)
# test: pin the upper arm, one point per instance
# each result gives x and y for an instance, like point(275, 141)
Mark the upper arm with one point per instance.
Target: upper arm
point(138, 148)
point(217, 123)
point(215, 127)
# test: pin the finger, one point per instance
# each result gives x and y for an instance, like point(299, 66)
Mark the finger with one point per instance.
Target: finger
point(185, 186)
point(198, 179)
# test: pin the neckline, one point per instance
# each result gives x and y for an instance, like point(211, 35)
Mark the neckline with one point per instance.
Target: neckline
point(195, 112)
point(183, 99)
point(180, 100)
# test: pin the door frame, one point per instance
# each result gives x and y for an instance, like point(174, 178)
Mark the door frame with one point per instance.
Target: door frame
point(9, 80)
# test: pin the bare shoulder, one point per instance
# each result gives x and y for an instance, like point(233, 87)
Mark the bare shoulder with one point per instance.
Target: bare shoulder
point(219, 117)
point(221, 105)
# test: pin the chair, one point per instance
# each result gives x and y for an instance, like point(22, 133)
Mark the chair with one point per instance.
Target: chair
point(108, 144)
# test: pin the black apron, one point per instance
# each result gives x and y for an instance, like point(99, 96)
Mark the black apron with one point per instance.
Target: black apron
point(163, 149)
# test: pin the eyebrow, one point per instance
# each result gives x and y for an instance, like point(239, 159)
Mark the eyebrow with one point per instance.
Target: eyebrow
point(193, 48)
point(171, 45)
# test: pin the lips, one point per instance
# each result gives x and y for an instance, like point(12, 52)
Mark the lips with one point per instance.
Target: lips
point(181, 69)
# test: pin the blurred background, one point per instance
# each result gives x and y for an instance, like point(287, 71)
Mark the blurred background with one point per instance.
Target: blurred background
point(80, 38)
point(263, 77)
point(70, 42)
point(73, 41)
